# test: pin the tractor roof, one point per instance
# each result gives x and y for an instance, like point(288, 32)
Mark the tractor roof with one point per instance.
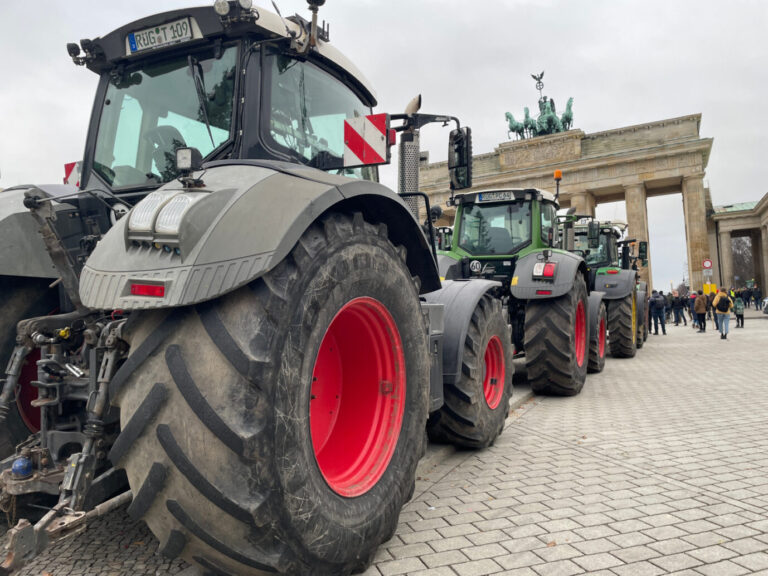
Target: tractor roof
point(113, 49)
point(500, 195)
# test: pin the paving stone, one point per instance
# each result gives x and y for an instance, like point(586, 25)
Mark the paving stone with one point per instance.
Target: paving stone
point(477, 568)
point(446, 558)
point(592, 562)
point(724, 568)
point(638, 569)
point(559, 568)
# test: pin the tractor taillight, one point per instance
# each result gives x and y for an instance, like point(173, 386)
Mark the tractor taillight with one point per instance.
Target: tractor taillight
point(155, 290)
point(544, 270)
point(612, 271)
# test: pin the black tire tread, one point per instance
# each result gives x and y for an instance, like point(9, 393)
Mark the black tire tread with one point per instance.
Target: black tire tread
point(596, 362)
point(620, 337)
point(465, 420)
point(549, 349)
point(241, 533)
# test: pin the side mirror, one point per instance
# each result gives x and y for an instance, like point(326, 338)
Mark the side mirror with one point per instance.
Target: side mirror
point(642, 251)
point(460, 158)
point(593, 234)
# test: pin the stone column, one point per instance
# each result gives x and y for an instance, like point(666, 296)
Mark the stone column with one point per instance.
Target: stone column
point(584, 202)
point(726, 259)
point(755, 238)
point(695, 209)
point(764, 259)
point(637, 220)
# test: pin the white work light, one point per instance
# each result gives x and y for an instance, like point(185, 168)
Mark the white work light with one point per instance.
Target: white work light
point(169, 219)
point(143, 215)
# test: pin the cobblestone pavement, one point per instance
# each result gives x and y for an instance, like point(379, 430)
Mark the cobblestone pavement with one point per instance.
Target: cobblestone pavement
point(659, 466)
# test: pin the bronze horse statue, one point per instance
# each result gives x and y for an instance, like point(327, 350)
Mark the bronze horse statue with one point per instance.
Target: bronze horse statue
point(514, 126)
point(567, 118)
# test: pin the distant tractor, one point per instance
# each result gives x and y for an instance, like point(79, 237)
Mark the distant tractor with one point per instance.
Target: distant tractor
point(613, 271)
point(510, 236)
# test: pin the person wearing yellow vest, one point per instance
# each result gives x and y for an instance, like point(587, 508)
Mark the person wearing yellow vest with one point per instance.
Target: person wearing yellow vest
point(722, 305)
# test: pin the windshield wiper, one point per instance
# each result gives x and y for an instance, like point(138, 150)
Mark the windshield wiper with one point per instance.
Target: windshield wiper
point(197, 77)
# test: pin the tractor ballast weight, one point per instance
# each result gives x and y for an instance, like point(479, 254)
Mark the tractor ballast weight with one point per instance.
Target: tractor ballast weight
point(525, 286)
point(228, 239)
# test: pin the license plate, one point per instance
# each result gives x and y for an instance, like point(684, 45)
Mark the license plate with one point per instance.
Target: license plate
point(495, 196)
point(160, 36)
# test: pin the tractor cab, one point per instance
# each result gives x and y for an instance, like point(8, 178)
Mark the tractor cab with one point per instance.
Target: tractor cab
point(230, 82)
point(493, 228)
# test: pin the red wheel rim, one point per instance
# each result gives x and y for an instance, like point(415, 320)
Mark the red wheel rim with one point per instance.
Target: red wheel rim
point(580, 339)
point(601, 338)
point(26, 392)
point(493, 372)
point(358, 397)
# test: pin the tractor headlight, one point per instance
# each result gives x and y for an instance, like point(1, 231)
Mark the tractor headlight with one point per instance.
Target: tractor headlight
point(170, 216)
point(143, 215)
point(221, 7)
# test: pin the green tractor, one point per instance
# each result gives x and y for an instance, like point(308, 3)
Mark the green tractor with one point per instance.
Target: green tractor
point(510, 236)
point(613, 271)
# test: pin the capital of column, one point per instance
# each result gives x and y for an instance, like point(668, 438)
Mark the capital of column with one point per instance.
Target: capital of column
point(694, 176)
point(637, 186)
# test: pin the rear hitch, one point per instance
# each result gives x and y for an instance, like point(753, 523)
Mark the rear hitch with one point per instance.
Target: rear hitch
point(26, 541)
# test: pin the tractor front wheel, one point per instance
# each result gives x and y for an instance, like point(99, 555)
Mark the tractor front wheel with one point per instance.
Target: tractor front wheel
point(477, 406)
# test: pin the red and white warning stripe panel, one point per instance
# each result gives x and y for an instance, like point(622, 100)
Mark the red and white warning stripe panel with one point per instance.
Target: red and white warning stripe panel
point(72, 173)
point(367, 140)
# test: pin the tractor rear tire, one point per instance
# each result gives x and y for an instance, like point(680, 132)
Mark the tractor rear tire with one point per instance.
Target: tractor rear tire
point(278, 428)
point(597, 343)
point(622, 328)
point(556, 342)
point(21, 298)
point(477, 406)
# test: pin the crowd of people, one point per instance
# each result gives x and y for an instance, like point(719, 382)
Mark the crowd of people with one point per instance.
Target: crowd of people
point(701, 307)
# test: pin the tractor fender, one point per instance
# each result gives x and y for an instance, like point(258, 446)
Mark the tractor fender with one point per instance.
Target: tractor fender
point(616, 286)
point(523, 286)
point(450, 268)
point(594, 300)
point(22, 251)
point(459, 298)
point(250, 220)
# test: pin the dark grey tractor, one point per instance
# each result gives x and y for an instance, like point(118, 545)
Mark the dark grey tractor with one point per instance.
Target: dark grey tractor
point(230, 323)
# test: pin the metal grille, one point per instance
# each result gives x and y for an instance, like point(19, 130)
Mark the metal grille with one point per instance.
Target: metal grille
point(408, 165)
point(417, 207)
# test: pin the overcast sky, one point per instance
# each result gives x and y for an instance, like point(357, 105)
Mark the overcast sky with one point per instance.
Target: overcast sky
point(623, 62)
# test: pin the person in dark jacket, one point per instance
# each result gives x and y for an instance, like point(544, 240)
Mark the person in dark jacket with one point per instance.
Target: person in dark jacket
point(758, 296)
point(710, 312)
point(738, 309)
point(692, 312)
point(700, 307)
point(658, 304)
point(678, 305)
